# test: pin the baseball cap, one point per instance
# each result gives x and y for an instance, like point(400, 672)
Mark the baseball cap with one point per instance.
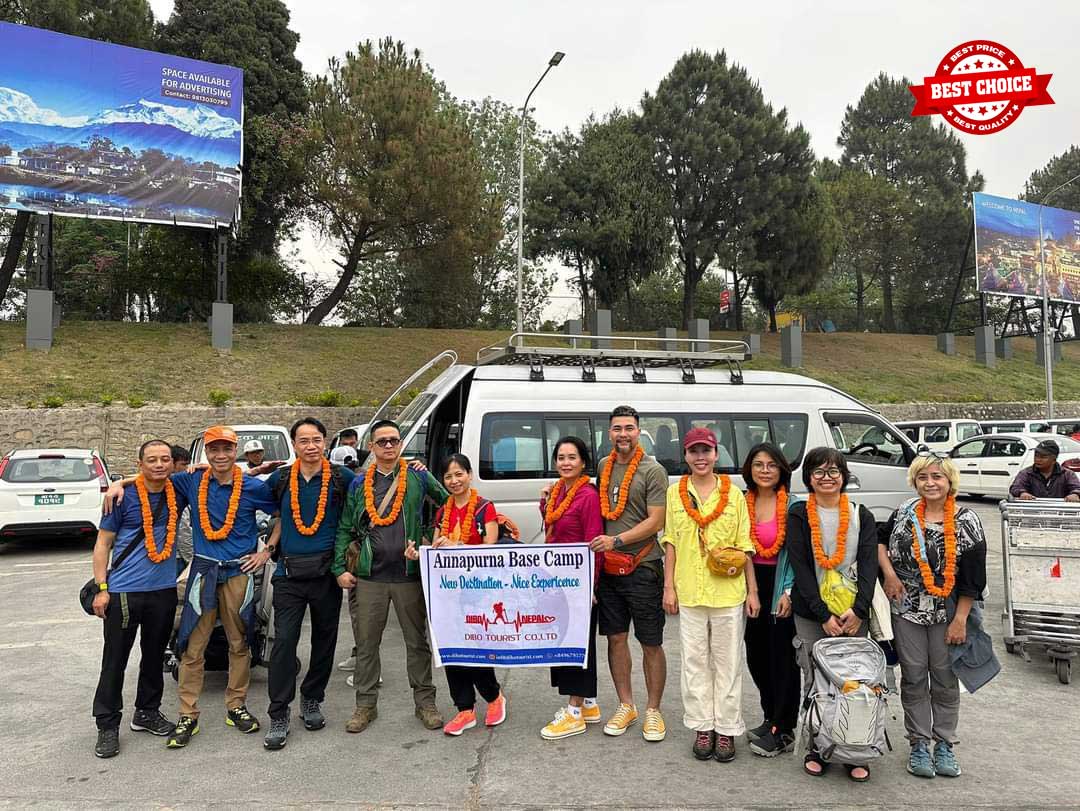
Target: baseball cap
point(219, 433)
point(253, 445)
point(699, 436)
point(343, 455)
point(1048, 447)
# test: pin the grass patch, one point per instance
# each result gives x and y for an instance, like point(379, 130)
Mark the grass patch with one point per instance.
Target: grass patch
point(219, 397)
point(346, 365)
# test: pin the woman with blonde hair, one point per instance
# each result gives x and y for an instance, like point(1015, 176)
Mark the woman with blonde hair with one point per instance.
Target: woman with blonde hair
point(934, 565)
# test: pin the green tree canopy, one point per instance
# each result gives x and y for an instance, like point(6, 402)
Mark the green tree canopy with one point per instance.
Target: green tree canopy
point(597, 206)
point(391, 168)
point(721, 151)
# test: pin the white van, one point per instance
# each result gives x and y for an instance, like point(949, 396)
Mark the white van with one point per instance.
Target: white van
point(939, 435)
point(508, 410)
point(1016, 427)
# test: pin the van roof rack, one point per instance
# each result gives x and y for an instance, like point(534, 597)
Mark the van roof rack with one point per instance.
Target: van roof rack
point(539, 349)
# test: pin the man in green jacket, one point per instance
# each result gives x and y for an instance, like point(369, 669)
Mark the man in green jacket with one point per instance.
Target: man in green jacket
point(383, 516)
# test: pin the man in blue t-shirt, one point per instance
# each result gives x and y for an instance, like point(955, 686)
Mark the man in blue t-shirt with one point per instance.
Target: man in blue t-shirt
point(139, 594)
point(220, 584)
point(302, 580)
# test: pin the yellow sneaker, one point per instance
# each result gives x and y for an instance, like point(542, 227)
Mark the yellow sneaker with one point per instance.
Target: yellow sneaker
point(591, 715)
point(623, 718)
point(653, 729)
point(563, 726)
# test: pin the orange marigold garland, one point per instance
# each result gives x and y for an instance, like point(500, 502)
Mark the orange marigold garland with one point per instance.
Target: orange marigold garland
point(148, 521)
point(399, 498)
point(294, 499)
point(928, 579)
point(467, 519)
point(781, 523)
point(553, 513)
point(234, 502)
point(699, 519)
point(624, 486)
point(841, 533)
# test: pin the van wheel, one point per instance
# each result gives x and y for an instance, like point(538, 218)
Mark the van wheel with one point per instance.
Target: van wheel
point(1064, 670)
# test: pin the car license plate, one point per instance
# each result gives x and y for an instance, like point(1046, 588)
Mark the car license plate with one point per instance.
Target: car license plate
point(48, 498)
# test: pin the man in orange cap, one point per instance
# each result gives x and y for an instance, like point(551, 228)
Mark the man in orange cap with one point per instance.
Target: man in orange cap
point(223, 527)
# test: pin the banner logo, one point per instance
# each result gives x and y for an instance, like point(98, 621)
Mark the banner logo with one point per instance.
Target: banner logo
point(980, 87)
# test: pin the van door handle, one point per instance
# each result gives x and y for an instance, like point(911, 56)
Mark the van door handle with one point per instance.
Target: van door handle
point(853, 482)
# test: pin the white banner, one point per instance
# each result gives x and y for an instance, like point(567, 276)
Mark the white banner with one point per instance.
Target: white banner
point(509, 605)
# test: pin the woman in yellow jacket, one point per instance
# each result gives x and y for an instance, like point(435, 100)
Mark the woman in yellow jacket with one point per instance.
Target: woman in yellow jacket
point(709, 580)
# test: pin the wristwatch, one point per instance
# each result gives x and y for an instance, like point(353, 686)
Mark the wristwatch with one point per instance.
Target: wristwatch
point(103, 586)
point(617, 542)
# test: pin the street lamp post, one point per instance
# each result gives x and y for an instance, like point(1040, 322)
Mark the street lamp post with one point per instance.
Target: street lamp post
point(1047, 337)
point(555, 60)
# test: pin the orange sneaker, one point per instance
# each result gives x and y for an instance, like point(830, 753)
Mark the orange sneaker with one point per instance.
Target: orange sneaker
point(623, 718)
point(466, 719)
point(496, 711)
point(591, 715)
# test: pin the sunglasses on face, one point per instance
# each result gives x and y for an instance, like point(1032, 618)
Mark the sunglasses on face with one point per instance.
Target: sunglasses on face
point(388, 442)
point(926, 454)
point(825, 473)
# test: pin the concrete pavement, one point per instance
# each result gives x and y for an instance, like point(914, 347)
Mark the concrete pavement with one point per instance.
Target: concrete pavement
point(1020, 739)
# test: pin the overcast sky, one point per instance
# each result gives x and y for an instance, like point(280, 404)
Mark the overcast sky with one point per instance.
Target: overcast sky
point(812, 58)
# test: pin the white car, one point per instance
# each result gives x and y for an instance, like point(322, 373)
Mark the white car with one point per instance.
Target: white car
point(989, 463)
point(55, 492)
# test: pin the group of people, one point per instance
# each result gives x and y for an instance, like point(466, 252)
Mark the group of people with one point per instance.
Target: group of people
point(762, 571)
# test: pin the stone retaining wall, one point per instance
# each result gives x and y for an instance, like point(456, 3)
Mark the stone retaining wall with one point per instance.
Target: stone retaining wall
point(118, 430)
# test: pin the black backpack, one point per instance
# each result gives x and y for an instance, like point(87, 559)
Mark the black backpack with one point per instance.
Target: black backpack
point(337, 483)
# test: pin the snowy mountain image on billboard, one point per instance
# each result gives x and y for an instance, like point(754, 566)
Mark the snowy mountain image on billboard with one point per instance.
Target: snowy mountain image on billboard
point(93, 129)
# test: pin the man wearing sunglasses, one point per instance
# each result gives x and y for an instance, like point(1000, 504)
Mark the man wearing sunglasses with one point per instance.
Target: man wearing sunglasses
point(369, 561)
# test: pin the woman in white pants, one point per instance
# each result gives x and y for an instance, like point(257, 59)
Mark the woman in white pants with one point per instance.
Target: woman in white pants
point(709, 581)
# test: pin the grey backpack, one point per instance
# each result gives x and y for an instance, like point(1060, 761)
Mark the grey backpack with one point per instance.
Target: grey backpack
point(844, 715)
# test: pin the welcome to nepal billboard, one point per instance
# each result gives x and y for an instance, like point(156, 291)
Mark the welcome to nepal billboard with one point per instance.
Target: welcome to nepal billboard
point(92, 129)
point(1007, 249)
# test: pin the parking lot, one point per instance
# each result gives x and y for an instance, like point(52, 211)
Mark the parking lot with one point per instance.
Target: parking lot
point(1019, 737)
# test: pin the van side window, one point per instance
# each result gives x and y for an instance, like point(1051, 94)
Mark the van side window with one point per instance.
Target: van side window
point(1040, 428)
point(866, 440)
point(660, 438)
point(967, 431)
point(736, 435)
point(557, 427)
point(512, 447)
point(937, 433)
point(911, 433)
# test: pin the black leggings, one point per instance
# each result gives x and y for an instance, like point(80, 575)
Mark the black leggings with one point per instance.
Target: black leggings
point(770, 657)
point(466, 682)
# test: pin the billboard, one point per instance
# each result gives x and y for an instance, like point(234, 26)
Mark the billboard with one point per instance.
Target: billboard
point(92, 129)
point(1007, 249)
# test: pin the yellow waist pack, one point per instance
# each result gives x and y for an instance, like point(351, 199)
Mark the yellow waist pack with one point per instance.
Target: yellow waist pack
point(726, 561)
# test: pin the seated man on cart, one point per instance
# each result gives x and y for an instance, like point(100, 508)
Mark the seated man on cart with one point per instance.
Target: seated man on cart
point(1045, 478)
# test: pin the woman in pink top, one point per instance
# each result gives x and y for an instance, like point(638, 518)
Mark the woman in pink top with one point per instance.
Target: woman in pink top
point(770, 655)
point(571, 511)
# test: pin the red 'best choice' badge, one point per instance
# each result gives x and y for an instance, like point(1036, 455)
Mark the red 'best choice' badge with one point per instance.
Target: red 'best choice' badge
point(980, 87)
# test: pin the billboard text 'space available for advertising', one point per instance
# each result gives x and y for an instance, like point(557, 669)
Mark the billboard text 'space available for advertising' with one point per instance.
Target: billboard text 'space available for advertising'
point(88, 128)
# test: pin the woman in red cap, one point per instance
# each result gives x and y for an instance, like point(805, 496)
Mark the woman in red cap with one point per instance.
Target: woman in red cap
point(709, 580)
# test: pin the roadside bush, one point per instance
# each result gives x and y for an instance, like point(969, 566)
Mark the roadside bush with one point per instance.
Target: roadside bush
point(219, 397)
point(135, 401)
point(326, 399)
point(53, 401)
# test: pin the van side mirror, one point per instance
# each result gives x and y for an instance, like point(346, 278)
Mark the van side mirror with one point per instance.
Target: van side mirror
point(922, 447)
point(115, 477)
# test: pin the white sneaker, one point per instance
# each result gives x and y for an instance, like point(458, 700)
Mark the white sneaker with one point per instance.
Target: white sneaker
point(348, 664)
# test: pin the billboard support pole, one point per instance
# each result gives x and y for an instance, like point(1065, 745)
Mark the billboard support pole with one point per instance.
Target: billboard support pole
point(1047, 337)
point(221, 318)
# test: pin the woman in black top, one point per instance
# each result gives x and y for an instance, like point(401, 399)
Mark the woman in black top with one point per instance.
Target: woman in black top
point(830, 538)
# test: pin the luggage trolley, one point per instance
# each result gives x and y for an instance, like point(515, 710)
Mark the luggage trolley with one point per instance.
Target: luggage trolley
point(1040, 551)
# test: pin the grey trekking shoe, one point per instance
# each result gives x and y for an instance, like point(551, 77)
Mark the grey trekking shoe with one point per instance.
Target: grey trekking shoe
point(279, 731)
point(945, 760)
point(919, 760)
point(311, 712)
